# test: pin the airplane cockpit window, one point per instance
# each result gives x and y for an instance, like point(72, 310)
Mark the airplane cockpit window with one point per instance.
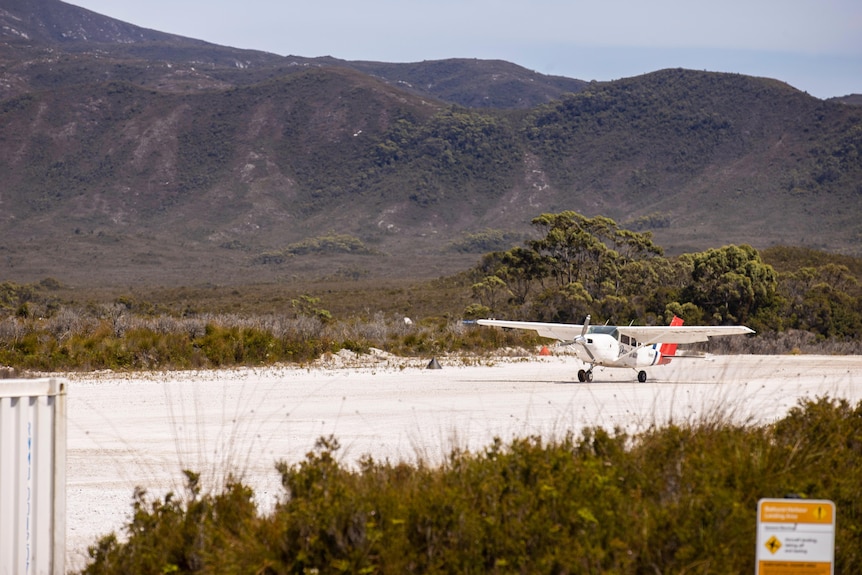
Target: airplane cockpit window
point(605, 329)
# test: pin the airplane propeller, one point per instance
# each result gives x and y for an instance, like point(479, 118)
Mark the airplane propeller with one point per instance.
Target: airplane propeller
point(582, 340)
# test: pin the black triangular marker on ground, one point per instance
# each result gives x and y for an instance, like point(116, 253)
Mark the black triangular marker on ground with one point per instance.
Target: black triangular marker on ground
point(433, 364)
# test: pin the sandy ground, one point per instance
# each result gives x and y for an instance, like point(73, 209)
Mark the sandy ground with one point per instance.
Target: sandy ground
point(143, 429)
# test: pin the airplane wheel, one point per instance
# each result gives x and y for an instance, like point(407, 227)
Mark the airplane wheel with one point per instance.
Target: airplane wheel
point(589, 375)
point(642, 376)
point(582, 375)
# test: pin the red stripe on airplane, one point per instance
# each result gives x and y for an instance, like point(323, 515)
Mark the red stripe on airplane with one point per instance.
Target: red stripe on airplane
point(667, 350)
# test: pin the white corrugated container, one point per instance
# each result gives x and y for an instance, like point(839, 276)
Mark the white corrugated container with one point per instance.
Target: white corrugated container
point(32, 476)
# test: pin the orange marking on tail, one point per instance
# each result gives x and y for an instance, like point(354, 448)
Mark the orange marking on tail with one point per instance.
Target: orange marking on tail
point(667, 350)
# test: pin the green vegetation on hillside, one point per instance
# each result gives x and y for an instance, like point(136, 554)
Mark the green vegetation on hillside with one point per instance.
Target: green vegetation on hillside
point(676, 499)
point(609, 123)
point(454, 154)
point(485, 241)
point(330, 244)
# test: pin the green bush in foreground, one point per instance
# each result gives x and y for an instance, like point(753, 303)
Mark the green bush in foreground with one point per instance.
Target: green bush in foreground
point(678, 499)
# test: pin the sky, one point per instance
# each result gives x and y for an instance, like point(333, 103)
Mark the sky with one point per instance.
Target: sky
point(813, 45)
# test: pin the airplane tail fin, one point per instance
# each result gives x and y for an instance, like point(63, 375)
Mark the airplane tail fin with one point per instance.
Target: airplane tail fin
point(668, 350)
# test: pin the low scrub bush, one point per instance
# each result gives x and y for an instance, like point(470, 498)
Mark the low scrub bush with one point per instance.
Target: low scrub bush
point(223, 340)
point(677, 499)
point(110, 337)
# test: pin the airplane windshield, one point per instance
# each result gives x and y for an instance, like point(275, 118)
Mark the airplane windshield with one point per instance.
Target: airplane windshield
point(606, 329)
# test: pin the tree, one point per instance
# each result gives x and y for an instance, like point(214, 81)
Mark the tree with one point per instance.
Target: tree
point(592, 251)
point(731, 284)
point(568, 304)
point(491, 291)
point(571, 250)
point(829, 312)
point(596, 267)
point(521, 269)
point(823, 300)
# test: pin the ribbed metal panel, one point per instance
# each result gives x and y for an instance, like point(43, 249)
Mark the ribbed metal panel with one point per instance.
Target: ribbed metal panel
point(32, 477)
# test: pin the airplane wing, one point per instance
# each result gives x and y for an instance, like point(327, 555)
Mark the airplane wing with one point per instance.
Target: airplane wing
point(559, 331)
point(645, 335)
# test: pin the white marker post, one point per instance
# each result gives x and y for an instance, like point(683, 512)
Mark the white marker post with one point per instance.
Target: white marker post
point(795, 536)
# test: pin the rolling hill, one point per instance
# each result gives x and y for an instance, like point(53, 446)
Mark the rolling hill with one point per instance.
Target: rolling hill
point(131, 156)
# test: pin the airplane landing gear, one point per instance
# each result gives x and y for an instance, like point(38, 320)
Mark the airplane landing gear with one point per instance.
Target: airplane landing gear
point(642, 376)
point(585, 376)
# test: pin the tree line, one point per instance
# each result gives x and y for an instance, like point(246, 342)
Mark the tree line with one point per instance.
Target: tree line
point(581, 265)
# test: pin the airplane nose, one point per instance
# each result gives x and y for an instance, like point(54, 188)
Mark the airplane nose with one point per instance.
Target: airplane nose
point(582, 341)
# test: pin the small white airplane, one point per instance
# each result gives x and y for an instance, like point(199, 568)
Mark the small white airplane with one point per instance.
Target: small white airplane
point(630, 346)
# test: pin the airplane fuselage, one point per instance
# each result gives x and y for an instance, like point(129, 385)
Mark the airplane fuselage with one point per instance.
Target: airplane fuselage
point(608, 351)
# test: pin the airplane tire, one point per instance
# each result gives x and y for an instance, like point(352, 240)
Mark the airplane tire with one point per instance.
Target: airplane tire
point(642, 376)
point(582, 375)
point(589, 375)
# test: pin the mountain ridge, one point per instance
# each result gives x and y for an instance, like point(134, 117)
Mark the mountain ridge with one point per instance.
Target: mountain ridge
point(144, 157)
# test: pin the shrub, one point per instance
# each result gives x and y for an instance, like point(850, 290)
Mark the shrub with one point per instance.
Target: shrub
point(678, 499)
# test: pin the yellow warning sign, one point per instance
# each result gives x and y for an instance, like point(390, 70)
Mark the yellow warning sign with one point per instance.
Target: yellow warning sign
point(796, 511)
point(795, 537)
point(773, 544)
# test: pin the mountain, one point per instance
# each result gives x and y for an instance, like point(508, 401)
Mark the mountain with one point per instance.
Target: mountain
point(132, 156)
point(850, 100)
point(473, 83)
point(56, 35)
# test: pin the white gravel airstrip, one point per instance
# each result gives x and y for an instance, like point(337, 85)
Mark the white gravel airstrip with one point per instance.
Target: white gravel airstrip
point(143, 429)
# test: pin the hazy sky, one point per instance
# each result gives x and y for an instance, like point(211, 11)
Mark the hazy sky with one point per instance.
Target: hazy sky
point(813, 45)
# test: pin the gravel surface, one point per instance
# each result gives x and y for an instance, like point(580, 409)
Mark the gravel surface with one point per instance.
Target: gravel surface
point(128, 430)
